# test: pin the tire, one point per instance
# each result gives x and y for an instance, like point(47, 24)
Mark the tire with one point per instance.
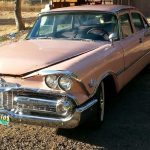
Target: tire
point(148, 67)
point(97, 116)
point(100, 106)
point(101, 103)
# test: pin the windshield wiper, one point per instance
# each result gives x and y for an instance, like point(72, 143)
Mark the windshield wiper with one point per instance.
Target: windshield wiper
point(82, 39)
point(42, 37)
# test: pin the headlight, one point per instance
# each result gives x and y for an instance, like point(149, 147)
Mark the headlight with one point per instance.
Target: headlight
point(65, 83)
point(64, 107)
point(51, 81)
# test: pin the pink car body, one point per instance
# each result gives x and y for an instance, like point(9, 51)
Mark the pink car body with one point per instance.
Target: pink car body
point(26, 98)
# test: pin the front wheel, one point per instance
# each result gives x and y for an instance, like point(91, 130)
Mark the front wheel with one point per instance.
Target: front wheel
point(98, 112)
point(101, 102)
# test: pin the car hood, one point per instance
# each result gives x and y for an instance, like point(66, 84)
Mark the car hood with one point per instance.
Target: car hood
point(31, 55)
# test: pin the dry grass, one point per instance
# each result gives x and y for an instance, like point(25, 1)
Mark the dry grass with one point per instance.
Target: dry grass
point(7, 24)
point(9, 6)
point(7, 21)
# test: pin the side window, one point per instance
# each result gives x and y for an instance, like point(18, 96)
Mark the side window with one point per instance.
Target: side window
point(64, 22)
point(125, 25)
point(46, 25)
point(137, 21)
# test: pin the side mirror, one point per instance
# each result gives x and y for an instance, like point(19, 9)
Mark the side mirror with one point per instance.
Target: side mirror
point(112, 37)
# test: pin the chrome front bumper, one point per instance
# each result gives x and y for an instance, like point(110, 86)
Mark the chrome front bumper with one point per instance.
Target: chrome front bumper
point(71, 121)
point(27, 100)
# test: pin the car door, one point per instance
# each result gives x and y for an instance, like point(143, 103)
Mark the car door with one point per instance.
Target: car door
point(132, 44)
point(131, 41)
point(141, 33)
point(146, 38)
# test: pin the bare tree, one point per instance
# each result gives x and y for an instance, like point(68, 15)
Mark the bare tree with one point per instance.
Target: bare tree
point(18, 18)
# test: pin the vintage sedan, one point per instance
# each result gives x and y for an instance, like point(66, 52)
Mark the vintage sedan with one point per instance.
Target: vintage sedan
point(71, 64)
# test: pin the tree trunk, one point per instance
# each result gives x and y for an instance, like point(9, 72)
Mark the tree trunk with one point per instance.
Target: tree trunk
point(18, 18)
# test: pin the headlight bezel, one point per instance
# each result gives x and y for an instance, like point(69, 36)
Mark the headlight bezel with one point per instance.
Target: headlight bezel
point(60, 84)
point(58, 79)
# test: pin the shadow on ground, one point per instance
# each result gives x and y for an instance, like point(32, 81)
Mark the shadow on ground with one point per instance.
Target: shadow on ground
point(127, 124)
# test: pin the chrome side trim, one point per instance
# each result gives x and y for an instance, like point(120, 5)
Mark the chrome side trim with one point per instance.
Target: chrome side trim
point(133, 63)
point(120, 72)
point(130, 65)
point(87, 106)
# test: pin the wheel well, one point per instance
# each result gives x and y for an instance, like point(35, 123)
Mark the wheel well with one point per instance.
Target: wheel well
point(110, 92)
point(110, 87)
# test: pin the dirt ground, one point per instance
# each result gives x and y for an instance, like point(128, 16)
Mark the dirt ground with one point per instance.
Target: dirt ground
point(126, 126)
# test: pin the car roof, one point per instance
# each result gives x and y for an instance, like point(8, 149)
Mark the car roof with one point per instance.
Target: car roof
point(105, 8)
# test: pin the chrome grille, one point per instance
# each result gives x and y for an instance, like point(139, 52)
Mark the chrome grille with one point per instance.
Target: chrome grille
point(7, 101)
point(38, 108)
point(36, 104)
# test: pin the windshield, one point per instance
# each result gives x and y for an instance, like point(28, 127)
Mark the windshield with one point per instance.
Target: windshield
point(85, 26)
